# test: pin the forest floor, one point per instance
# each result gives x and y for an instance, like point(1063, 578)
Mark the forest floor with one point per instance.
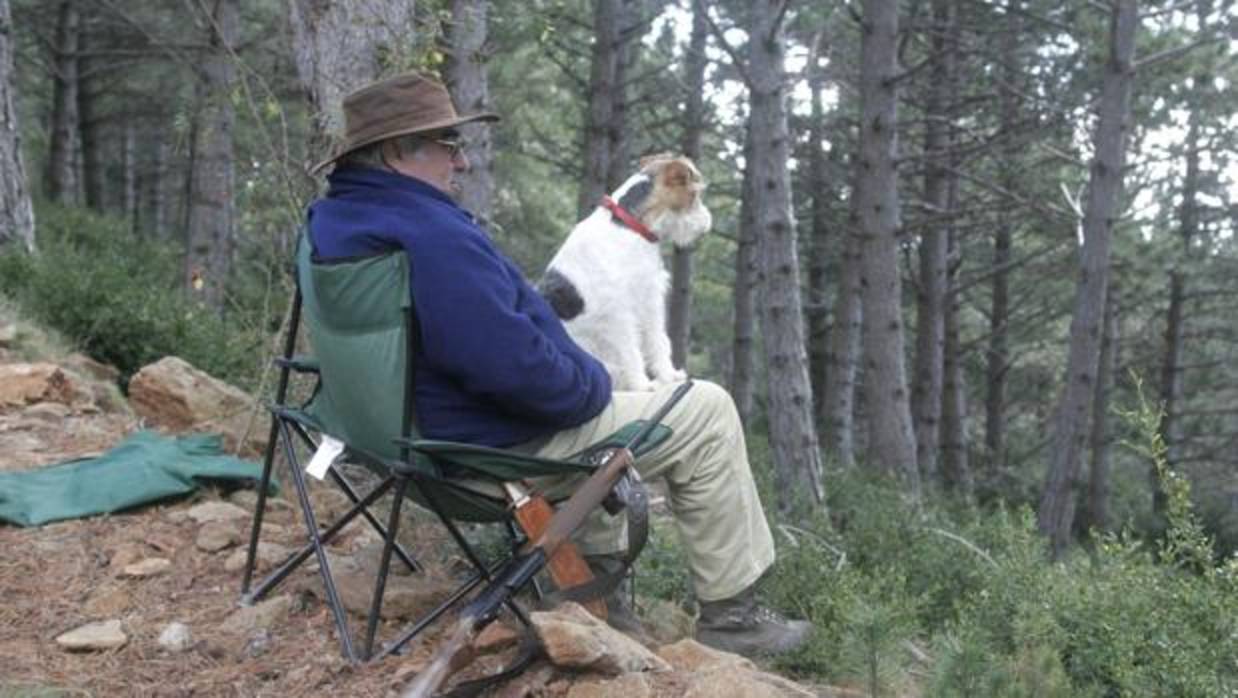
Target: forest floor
point(59, 577)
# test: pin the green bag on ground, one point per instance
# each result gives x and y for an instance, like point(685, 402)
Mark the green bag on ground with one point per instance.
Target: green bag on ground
point(146, 467)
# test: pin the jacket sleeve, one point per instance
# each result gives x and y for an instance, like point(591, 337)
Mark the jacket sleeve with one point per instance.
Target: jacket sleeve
point(478, 326)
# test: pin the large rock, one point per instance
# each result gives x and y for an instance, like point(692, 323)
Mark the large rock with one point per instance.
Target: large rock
point(574, 638)
point(104, 635)
point(208, 512)
point(171, 394)
point(262, 616)
point(690, 655)
point(404, 597)
point(27, 384)
point(266, 556)
point(739, 682)
point(632, 685)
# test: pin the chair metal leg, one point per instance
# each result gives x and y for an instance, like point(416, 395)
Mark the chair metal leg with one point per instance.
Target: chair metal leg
point(380, 584)
point(260, 508)
point(324, 568)
point(352, 495)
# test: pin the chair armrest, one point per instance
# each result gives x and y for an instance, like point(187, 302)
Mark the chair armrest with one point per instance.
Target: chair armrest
point(300, 364)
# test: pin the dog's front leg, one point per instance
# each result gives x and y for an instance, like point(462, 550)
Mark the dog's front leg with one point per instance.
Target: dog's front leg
point(656, 346)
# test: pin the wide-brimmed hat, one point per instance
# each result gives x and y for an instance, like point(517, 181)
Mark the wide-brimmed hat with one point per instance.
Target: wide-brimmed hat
point(398, 106)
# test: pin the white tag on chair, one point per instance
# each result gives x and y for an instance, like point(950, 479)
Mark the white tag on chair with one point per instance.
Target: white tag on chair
point(328, 451)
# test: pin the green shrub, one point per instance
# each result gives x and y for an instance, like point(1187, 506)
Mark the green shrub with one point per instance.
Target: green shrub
point(118, 297)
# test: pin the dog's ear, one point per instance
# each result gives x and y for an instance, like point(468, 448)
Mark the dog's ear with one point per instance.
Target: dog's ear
point(677, 174)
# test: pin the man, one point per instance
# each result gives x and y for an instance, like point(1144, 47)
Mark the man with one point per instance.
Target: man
point(496, 367)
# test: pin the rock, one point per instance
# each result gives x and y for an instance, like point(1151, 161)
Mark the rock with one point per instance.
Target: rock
point(632, 685)
point(8, 334)
point(87, 366)
point(690, 655)
point(403, 598)
point(574, 638)
point(122, 557)
point(104, 635)
point(217, 535)
point(496, 637)
point(248, 500)
point(150, 567)
point(258, 644)
point(207, 512)
point(176, 637)
point(26, 384)
point(50, 412)
point(738, 682)
point(268, 555)
point(534, 681)
point(171, 394)
point(244, 621)
point(108, 602)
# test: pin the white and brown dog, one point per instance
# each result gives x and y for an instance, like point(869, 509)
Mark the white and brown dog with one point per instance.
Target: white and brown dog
point(608, 284)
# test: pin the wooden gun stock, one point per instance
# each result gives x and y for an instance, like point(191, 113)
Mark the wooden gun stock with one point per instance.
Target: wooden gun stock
point(566, 566)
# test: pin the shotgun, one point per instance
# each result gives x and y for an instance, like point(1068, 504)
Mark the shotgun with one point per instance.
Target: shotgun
point(482, 610)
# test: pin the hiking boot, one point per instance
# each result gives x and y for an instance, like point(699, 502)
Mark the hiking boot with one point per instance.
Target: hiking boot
point(741, 626)
point(619, 612)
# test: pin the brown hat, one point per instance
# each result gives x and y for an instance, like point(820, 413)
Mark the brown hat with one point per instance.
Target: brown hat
point(398, 106)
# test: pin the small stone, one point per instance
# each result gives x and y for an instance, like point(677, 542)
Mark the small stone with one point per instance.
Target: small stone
point(216, 511)
point(258, 644)
point(267, 555)
point(104, 635)
point(150, 567)
point(261, 616)
point(217, 535)
point(124, 556)
point(176, 637)
point(108, 602)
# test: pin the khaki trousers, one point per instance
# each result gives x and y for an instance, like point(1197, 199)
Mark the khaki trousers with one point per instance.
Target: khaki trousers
point(712, 494)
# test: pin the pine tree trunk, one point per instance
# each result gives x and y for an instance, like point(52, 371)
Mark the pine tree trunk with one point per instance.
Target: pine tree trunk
point(470, 88)
point(1097, 505)
point(817, 310)
point(339, 46)
point(61, 181)
point(208, 257)
point(891, 442)
point(605, 94)
point(745, 291)
point(997, 359)
point(926, 396)
point(128, 163)
point(1070, 426)
point(91, 135)
point(16, 212)
point(844, 349)
point(792, 431)
point(956, 471)
point(679, 302)
point(158, 189)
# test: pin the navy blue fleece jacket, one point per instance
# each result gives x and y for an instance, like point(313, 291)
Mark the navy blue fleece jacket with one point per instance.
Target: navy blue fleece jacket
point(496, 366)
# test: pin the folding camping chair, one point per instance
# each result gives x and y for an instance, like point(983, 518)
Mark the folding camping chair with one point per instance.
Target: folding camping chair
point(363, 331)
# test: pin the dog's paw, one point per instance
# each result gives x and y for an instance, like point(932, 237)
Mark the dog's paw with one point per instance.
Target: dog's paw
point(670, 376)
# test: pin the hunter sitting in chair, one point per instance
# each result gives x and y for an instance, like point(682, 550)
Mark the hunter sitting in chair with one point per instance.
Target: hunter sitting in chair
point(495, 366)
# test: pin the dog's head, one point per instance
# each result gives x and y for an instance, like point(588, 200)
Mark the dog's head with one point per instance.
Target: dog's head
point(666, 196)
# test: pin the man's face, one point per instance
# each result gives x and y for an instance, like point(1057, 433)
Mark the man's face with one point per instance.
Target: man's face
point(436, 162)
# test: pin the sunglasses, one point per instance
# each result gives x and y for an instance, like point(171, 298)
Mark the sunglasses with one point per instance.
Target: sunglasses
point(452, 143)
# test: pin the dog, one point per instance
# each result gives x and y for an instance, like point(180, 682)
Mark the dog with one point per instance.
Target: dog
point(607, 283)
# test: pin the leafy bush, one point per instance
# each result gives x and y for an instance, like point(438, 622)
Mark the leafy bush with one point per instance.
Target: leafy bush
point(117, 296)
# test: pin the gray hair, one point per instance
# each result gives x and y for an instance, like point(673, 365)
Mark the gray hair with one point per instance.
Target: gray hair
point(372, 155)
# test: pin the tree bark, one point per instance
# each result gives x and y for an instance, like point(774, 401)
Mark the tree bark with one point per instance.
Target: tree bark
point(61, 180)
point(997, 361)
point(792, 432)
point(1070, 427)
point(605, 94)
point(16, 212)
point(679, 310)
point(817, 309)
point(745, 290)
point(891, 443)
point(470, 88)
point(956, 471)
point(1097, 506)
point(208, 257)
point(844, 348)
point(129, 177)
point(926, 396)
point(339, 46)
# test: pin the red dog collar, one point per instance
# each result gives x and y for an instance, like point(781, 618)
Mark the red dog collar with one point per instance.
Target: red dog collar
point(628, 219)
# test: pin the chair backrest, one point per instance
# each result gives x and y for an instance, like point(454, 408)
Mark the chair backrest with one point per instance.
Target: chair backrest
point(356, 313)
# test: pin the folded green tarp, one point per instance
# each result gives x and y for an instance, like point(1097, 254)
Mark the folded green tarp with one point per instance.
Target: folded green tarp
point(144, 468)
